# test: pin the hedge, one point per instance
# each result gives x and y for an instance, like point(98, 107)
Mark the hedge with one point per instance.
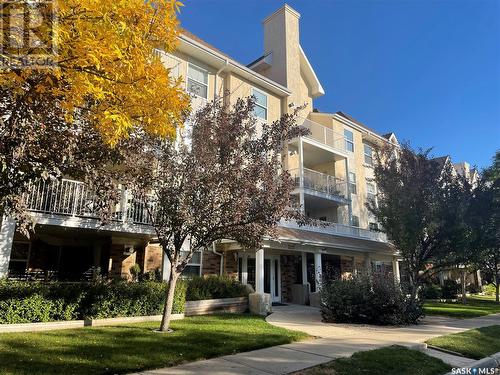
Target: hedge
point(27, 302)
point(214, 287)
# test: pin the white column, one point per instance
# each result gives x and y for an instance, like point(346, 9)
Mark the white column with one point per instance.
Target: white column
point(395, 269)
point(7, 230)
point(304, 268)
point(165, 267)
point(259, 271)
point(244, 269)
point(301, 173)
point(318, 271)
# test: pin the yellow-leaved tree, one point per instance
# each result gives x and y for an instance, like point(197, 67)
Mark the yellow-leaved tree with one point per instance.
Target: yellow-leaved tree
point(104, 62)
point(106, 86)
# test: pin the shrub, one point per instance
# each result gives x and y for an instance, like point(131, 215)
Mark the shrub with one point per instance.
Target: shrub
point(364, 299)
point(473, 289)
point(489, 290)
point(214, 287)
point(432, 291)
point(450, 289)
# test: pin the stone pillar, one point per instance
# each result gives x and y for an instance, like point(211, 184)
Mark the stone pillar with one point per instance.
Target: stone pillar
point(395, 269)
point(259, 271)
point(244, 269)
point(7, 230)
point(304, 268)
point(165, 267)
point(318, 271)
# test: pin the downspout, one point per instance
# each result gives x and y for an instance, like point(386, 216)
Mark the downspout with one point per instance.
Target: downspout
point(226, 63)
point(221, 258)
point(221, 255)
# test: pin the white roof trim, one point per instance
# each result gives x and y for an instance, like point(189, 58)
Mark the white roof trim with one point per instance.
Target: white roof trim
point(312, 79)
point(220, 61)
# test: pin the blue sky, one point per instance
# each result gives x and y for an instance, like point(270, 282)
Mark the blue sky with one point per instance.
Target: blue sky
point(427, 70)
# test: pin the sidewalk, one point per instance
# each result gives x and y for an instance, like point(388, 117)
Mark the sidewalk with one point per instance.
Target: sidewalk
point(335, 341)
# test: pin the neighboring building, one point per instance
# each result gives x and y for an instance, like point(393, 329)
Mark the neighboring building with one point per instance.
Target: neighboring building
point(332, 168)
point(462, 169)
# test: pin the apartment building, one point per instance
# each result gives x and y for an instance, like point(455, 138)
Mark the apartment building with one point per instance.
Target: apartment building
point(332, 168)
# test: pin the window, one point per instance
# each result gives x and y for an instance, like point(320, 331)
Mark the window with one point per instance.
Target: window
point(197, 82)
point(352, 183)
point(260, 110)
point(349, 140)
point(355, 221)
point(371, 191)
point(19, 259)
point(368, 155)
point(193, 268)
point(373, 227)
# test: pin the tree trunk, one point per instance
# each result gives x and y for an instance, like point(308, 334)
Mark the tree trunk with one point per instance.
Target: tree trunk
point(497, 286)
point(167, 311)
point(463, 282)
point(414, 286)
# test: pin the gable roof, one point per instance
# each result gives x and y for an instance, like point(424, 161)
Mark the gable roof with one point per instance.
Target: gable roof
point(350, 118)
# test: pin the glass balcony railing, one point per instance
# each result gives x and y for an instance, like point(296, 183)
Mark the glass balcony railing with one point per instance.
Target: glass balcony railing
point(320, 182)
point(324, 135)
point(339, 230)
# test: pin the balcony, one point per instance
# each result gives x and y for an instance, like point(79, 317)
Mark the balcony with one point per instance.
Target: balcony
point(324, 136)
point(330, 187)
point(339, 230)
point(73, 202)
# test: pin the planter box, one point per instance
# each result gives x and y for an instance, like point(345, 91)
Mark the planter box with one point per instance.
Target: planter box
point(128, 319)
point(210, 306)
point(49, 326)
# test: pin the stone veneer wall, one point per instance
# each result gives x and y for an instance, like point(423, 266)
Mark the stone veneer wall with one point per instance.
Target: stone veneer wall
point(152, 260)
point(210, 263)
point(288, 275)
point(231, 264)
point(346, 266)
point(120, 263)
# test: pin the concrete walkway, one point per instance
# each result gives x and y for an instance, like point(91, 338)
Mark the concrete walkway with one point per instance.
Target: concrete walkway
point(333, 341)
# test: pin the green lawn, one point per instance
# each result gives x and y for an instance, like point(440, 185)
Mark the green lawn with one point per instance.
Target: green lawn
point(393, 360)
point(476, 306)
point(474, 343)
point(133, 347)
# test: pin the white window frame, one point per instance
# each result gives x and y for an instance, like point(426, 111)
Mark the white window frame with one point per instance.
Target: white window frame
point(348, 141)
point(353, 183)
point(368, 155)
point(190, 263)
point(200, 83)
point(266, 108)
